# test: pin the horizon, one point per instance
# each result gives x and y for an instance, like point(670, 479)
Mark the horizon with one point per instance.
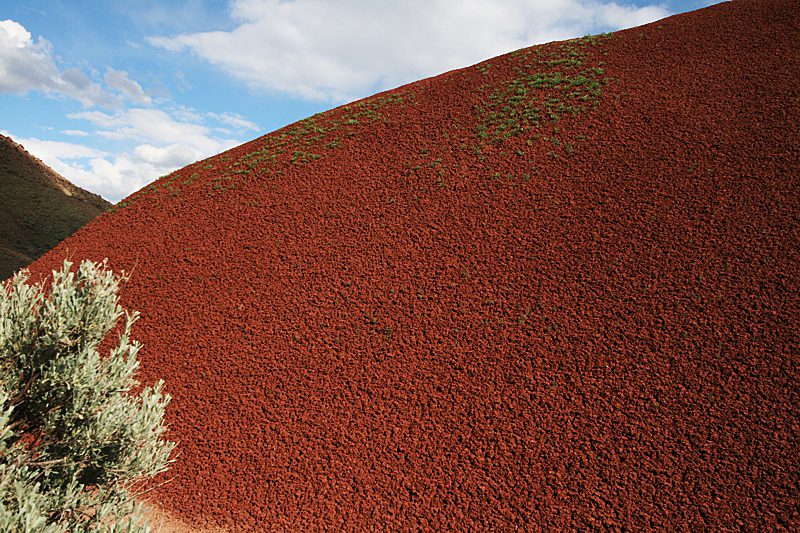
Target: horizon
point(113, 97)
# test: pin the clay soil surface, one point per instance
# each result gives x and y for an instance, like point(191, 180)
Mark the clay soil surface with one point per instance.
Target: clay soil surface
point(555, 291)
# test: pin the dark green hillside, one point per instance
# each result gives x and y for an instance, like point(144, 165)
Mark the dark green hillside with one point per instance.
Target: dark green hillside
point(38, 208)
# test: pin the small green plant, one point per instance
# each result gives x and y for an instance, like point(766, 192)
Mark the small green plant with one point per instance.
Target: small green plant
point(74, 441)
point(541, 93)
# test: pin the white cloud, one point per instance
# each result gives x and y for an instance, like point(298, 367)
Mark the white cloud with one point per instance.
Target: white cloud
point(183, 85)
point(338, 50)
point(133, 145)
point(114, 176)
point(25, 66)
point(119, 80)
point(28, 66)
point(153, 126)
point(52, 150)
point(236, 120)
point(185, 114)
point(65, 158)
point(152, 143)
point(173, 156)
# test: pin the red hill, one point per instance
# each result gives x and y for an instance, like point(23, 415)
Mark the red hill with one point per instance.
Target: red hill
point(555, 291)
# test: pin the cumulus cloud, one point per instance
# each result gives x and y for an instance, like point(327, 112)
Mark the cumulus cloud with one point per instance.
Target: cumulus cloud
point(27, 65)
point(152, 126)
point(338, 50)
point(140, 141)
point(51, 150)
point(236, 120)
point(173, 156)
point(119, 80)
point(73, 161)
point(157, 143)
point(185, 114)
point(114, 176)
point(23, 64)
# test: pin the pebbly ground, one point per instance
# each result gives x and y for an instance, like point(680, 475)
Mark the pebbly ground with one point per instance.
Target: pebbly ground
point(555, 291)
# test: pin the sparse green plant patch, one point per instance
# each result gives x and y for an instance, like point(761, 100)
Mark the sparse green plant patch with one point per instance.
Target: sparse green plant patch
point(191, 178)
point(300, 158)
point(539, 92)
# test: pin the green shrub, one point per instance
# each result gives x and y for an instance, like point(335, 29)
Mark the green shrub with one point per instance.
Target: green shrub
point(75, 442)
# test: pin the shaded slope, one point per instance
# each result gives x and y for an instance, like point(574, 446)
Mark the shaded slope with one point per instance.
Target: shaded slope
point(385, 318)
point(38, 208)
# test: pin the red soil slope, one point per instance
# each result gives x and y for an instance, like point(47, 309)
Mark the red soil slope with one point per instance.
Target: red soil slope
point(379, 319)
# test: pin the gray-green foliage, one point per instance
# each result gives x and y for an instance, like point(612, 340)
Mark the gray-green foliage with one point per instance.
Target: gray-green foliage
point(75, 442)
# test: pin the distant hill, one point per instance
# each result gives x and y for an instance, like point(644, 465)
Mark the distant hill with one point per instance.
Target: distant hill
point(38, 208)
point(553, 291)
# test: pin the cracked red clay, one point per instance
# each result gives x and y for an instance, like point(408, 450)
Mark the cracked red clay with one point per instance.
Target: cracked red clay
point(610, 344)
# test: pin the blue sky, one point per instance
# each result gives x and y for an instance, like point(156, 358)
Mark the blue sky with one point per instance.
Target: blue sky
point(113, 95)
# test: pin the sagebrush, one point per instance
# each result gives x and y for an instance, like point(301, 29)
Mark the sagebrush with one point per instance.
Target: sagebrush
point(75, 441)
